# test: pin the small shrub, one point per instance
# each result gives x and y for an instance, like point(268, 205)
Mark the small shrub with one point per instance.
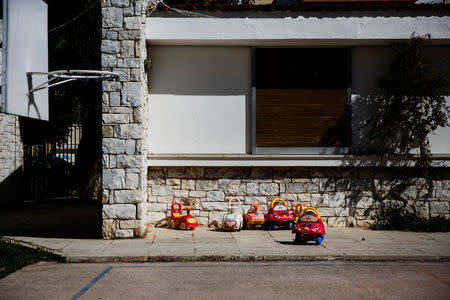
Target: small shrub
point(394, 216)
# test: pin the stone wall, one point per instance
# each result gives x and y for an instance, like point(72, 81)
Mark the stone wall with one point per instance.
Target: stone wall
point(344, 196)
point(124, 119)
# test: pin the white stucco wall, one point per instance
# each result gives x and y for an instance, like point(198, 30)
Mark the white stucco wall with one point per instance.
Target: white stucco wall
point(369, 65)
point(270, 29)
point(199, 99)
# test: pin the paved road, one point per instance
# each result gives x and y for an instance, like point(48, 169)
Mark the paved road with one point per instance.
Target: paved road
point(229, 280)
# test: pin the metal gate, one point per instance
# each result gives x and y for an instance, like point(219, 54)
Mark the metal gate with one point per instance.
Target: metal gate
point(49, 167)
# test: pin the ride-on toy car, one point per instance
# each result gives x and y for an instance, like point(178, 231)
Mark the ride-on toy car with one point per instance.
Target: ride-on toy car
point(279, 215)
point(309, 227)
point(233, 219)
point(181, 220)
point(296, 210)
point(254, 217)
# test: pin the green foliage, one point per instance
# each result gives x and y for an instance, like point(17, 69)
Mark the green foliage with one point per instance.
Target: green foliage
point(14, 257)
point(412, 103)
point(393, 216)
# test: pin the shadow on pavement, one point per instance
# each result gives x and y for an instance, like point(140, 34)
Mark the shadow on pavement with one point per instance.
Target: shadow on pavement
point(53, 218)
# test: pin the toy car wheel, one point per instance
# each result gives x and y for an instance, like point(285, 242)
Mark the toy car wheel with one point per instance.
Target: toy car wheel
point(183, 226)
point(271, 226)
point(172, 224)
point(298, 238)
point(319, 240)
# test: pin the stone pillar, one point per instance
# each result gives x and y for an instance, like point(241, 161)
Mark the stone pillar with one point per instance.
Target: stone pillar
point(124, 119)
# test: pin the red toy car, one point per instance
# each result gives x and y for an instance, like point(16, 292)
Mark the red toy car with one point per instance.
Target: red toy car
point(309, 227)
point(279, 215)
point(180, 220)
point(254, 217)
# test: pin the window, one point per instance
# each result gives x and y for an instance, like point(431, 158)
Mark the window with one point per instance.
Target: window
point(300, 100)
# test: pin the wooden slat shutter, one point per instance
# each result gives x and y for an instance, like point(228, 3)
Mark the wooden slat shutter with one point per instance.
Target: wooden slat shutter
point(297, 117)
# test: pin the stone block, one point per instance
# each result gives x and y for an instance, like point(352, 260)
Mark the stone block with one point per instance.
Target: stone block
point(114, 99)
point(163, 207)
point(113, 146)
point(320, 200)
point(215, 196)
point(132, 94)
point(127, 196)
point(312, 187)
point(255, 200)
point(107, 131)
point(364, 202)
point(195, 173)
point(132, 22)
point(197, 194)
point(173, 182)
point(129, 131)
point(130, 146)
point(108, 119)
point(109, 60)
point(113, 178)
point(120, 3)
point(109, 46)
point(130, 161)
point(156, 217)
point(289, 197)
point(443, 194)
point(124, 233)
point(129, 224)
point(207, 185)
point(336, 199)
point(119, 211)
point(214, 206)
point(337, 222)
point(236, 190)
point(180, 193)
point(439, 207)
point(127, 49)
point(176, 173)
point(304, 198)
point(161, 190)
point(252, 188)
point(132, 181)
point(188, 184)
point(109, 228)
point(268, 189)
point(165, 199)
point(295, 187)
point(112, 17)
point(325, 184)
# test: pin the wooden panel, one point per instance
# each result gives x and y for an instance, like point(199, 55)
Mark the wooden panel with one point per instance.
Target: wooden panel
point(297, 117)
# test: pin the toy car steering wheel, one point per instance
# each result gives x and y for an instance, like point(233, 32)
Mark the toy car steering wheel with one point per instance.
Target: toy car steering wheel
point(310, 208)
point(277, 200)
point(297, 208)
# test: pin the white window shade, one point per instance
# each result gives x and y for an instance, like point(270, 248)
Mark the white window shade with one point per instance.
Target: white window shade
point(199, 99)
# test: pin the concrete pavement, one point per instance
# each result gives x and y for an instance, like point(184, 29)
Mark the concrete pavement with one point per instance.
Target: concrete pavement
point(229, 280)
point(207, 244)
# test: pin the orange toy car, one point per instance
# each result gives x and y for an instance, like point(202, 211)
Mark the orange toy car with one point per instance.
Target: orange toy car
point(254, 217)
point(180, 220)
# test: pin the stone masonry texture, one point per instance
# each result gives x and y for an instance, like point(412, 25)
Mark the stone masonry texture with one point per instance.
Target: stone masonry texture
point(344, 196)
point(124, 119)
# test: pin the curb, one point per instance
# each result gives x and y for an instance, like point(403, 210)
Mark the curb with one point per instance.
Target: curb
point(251, 258)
